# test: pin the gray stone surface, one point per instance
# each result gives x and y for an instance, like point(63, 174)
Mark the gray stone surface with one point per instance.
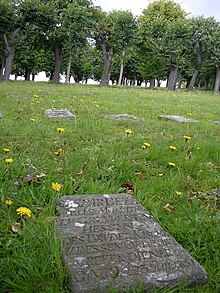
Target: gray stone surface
point(58, 114)
point(19, 96)
point(177, 118)
point(216, 122)
point(121, 117)
point(216, 191)
point(111, 240)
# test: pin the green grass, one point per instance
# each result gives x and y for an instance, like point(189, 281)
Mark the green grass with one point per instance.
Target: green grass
point(98, 157)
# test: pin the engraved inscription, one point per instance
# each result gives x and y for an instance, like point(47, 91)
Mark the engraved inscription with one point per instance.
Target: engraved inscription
point(112, 238)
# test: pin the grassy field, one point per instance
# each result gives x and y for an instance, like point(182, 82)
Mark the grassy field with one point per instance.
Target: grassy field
point(95, 156)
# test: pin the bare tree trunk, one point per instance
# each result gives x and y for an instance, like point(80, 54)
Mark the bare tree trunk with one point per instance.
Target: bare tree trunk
point(122, 67)
point(27, 75)
point(107, 60)
point(68, 69)
point(217, 80)
point(171, 85)
point(58, 57)
point(193, 79)
point(10, 53)
point(2, 68)
point(152, 83)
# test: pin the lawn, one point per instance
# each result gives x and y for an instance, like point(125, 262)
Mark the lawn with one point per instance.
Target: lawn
point(172, 176)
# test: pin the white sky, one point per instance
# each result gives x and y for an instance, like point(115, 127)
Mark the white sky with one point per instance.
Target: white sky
point(195, 7)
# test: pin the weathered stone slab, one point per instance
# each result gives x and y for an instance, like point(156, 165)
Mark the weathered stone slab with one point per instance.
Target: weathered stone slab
point(113, 240)
point(178, 118)
point(121, 117)
point(216, 191)
point(58, 114)
point(19, 96)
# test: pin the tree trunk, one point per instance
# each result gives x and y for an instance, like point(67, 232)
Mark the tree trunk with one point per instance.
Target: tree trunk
point(68, 69)
point(2, 68)
point(171, 85)
point(33, 77)
point(152, 83)
point(58, 57)
point(107, 60)
point(206, 83)
point(193, 79)
point(27, 75)
point(158, 82)
point(10, 53)
point(122, 67)
point(217, 80)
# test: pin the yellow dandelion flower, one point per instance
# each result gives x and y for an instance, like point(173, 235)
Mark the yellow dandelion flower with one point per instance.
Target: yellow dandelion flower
point(6, 150)
point(60, 150)
point(22, 211)
point(32, 119)
point(170, 164)
point(53, 108)
point(9, 202)
point(189, 114)
point(179, 193)
point(60, 129)
point(128, 131)
point(173, 148)
point(9, 161)
point(56, 186)
point(146, 145)
point(36, 96)
point(160, 174)
point(187, 137)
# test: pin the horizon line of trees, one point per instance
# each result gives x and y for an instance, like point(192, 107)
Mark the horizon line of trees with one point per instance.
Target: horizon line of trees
point(78, 39)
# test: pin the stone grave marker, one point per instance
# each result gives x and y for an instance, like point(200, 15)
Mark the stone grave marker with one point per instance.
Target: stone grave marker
point(121, 117)
point(178, 118)
point(112, 241)
point(216, 122)
point(19, 96)
point(58, 114)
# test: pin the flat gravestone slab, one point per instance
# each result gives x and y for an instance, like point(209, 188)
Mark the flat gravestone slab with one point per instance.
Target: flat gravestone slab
point(178, 118)
point(19, 97)
point(113, 240)
point(58, 114)
point(121, 117)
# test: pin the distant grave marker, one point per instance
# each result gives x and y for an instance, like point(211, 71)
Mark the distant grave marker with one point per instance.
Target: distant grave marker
point(58, 114)
point(85, 93)
point(216, 122)
point(121, 117)
point(113, 240)
point(19, 97)
point(178, 118)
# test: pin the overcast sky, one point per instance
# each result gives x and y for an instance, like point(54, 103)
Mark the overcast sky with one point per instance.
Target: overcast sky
point(195, 7)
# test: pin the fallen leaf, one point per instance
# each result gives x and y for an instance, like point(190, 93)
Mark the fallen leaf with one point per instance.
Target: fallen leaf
point(129, 187)
point(15, 227)
point(169, 208)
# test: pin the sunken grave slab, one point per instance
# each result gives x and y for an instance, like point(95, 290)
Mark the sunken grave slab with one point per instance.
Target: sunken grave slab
point(121, 117)
point(178, 118)
point(58, 114)
point(19, 96)
point(113, 240)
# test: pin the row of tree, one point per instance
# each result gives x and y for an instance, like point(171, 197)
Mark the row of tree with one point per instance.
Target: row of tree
point(78, 39)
